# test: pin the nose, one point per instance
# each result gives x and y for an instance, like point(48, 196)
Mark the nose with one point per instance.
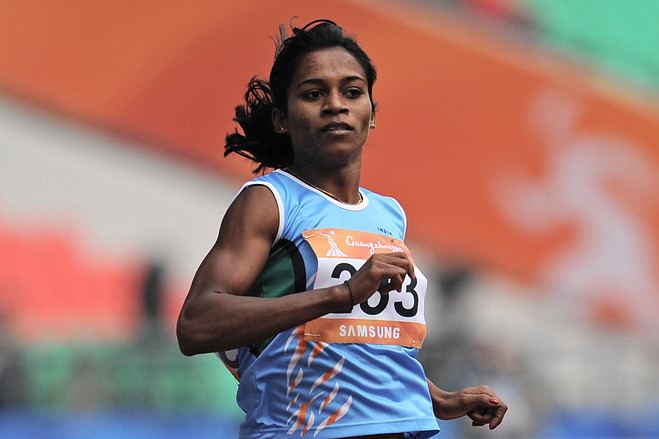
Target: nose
point(335, 104)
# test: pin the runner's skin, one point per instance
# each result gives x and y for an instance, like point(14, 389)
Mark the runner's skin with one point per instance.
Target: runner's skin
point(328, 87)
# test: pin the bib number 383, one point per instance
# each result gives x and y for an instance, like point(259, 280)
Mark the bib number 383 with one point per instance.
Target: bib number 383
point(396, 318)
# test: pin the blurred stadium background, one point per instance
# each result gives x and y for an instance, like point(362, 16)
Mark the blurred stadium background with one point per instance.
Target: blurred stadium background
point(521, 136)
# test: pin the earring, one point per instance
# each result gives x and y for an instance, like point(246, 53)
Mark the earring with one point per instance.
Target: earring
point(372, 123)
point(282, 130)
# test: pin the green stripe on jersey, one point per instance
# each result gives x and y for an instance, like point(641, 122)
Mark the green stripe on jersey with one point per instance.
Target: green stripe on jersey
point(283, 274)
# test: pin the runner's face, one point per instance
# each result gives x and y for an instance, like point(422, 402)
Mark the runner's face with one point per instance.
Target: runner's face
point(329, 108)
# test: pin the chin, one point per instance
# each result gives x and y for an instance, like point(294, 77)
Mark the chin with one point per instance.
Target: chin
point(341, 153)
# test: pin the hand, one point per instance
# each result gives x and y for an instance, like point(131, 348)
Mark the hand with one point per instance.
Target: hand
point(480, 404)
point(383, 272)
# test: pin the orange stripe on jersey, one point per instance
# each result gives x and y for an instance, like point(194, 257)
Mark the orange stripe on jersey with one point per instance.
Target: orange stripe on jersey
point(329, 374)
point(301, 414)
point(338, 414)
point(295, 359)
point(329, 398)
point(317, 350)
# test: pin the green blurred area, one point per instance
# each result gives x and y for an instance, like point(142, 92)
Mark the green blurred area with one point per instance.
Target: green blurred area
point(619, 36)
point(144, 375)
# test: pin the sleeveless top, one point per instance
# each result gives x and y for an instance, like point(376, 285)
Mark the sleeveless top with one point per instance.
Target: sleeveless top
point(345, 374)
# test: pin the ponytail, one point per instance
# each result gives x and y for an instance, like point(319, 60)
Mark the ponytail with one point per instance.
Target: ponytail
point(259, 142)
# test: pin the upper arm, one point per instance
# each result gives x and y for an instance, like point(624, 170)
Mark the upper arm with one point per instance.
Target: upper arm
point(246, 236)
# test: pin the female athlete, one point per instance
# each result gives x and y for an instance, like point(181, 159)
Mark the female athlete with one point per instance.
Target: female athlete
point(309, 295)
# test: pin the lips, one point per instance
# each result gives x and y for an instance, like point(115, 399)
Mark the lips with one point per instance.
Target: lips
point(336, 126)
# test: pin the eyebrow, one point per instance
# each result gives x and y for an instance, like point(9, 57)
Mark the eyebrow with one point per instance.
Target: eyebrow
point(322, 81)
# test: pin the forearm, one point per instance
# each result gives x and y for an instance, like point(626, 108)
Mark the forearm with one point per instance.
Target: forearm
point(220, 321)
point(480, 404)
point(437, 395)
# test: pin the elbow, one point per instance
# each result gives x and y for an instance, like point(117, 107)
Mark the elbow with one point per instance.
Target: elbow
point(193, 338)
point(186, 349)
point(200, 330)
point(186, 338)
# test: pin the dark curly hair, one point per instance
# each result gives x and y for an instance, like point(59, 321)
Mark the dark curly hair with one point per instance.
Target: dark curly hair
point(259, 142)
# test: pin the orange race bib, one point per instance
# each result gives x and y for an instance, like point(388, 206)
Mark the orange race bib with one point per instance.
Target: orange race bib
point(392, 319)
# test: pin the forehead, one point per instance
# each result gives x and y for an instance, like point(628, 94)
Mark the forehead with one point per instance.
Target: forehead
point(330, 63)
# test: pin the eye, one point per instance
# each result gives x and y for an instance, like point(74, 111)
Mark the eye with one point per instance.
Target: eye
point(354, 92)
point(312, 94)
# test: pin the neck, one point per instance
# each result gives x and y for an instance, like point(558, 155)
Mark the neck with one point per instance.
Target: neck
point(342, 185)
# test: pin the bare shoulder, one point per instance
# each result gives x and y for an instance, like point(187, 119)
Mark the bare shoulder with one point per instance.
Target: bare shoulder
point(253, 214)
point(246, 236)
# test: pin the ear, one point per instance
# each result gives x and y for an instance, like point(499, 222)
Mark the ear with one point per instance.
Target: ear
point(279, 121)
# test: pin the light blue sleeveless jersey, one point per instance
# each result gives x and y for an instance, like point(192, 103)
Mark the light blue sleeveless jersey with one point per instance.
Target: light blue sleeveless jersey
point(290, 387)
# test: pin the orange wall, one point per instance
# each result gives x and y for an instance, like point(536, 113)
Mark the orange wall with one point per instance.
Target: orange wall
point(502, 158)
